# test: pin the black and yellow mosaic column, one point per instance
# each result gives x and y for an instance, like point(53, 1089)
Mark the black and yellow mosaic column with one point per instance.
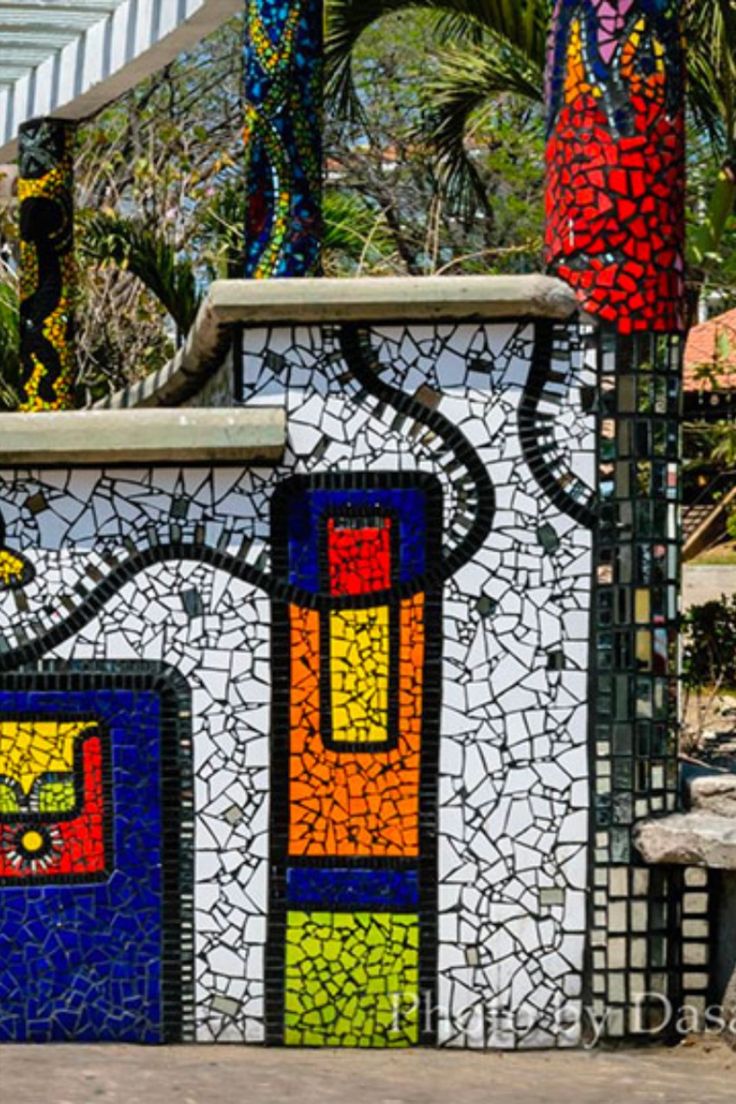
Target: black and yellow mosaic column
point(47, 265)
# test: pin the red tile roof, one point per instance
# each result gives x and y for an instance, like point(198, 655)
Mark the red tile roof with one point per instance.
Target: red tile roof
point(712, 345)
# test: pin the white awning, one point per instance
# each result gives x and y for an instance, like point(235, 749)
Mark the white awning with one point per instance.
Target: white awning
point(68, 58)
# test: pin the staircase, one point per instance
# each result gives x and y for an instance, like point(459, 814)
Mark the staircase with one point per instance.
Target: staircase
point(693, 517)
point(704, 523)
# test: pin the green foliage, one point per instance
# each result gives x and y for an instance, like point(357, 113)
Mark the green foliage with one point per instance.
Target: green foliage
point(482, 51)
point(709, 452)
point(383, 153)
point(9, 343)
point(723, 445)
point(710, 33)
point(161, 166)
point(149, 256)
point(356, 238)
point(709, 645)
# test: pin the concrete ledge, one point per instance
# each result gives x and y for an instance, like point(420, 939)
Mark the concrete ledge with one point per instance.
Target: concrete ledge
point(392, 299)
point(230, 303)
point(146, 436)
point(688, 839)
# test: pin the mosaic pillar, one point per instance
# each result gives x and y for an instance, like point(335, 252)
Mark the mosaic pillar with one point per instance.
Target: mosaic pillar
point(47, 265)
point(283, 138)
point(352, 924)
point(615, 233)
point(616, 160)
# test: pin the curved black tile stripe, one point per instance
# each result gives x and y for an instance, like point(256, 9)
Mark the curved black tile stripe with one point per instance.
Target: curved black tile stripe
point(536, 433)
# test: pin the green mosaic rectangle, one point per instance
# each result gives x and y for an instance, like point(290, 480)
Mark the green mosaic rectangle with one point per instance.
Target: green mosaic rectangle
point(352, 979)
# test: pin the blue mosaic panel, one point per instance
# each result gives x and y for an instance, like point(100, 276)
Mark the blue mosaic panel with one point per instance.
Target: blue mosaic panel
point(352, 887)
point(84, 961)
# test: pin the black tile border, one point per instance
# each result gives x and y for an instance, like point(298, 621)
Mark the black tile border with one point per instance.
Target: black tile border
point(537, 443)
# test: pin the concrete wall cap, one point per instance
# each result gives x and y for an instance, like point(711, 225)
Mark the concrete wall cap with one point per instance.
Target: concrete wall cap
point(392, 299)
point(146, 436)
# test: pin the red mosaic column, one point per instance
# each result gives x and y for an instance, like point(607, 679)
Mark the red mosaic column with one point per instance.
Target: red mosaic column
point(615, 160)
point(616, 234)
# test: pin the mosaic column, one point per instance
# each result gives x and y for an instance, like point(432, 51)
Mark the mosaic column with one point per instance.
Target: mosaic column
point(47, 265)
point(352, 924)
point(283, 137)
point(615, 233)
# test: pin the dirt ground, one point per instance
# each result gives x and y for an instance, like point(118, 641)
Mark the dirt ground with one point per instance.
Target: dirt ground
point(694, 1074)
point(709, 729)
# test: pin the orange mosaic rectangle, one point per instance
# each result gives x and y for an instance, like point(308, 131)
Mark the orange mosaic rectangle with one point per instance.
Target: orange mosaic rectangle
point(352, 803)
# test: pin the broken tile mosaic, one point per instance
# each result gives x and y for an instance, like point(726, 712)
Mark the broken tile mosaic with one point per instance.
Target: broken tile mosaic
point(447, 521)
point(349, 978)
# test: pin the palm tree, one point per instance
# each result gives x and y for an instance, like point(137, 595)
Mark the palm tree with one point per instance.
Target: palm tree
point(488, 47)
point(711, 32)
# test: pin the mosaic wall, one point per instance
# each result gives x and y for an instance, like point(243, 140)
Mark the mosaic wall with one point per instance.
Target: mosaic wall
point(303, 755)
point(47, 265)
point(635, 920)
point(283, 138)
point(374, 661)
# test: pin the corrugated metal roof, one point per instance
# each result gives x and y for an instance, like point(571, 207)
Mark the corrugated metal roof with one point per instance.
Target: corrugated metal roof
point(68, 58)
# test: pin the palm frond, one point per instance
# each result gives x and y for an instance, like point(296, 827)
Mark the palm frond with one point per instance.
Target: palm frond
point(468, 79)
point(353, 229)
point(520, 24)
point(128, 243)
point(710, 27)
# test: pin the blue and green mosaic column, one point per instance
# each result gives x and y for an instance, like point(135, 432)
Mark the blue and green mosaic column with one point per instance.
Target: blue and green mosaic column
point(615, 233)
point(47, 265)
point(283, 137)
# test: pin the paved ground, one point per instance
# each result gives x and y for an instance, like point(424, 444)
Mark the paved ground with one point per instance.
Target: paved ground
point(701, 1074)
point(706, 583)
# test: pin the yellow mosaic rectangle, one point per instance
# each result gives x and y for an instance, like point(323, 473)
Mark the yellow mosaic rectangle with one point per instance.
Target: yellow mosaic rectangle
point(359, 675)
